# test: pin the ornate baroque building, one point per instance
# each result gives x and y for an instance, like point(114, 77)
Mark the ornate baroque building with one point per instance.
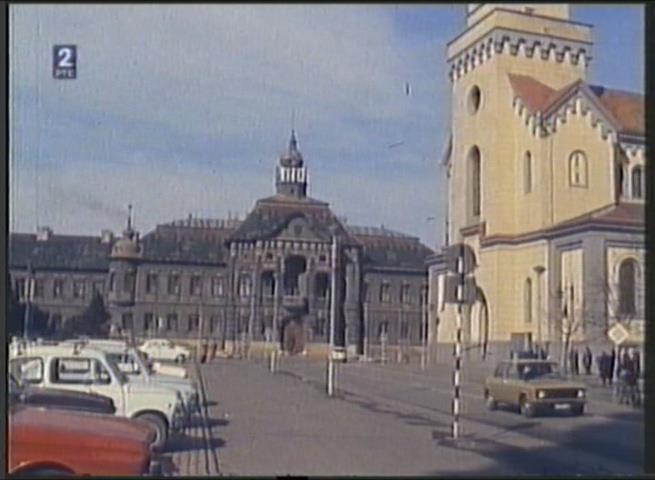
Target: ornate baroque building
point(268, 276)
point(546, 184)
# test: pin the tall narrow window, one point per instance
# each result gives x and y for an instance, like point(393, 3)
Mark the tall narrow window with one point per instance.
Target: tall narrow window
point(527, 172)
point(385, 293)
point(112, 281)
point(475, 180)
point(151, 283)
point(173, 284)
point(405, 294)
point(217, 286)
point(195, 285)
point(637, 183)
point(128, 286)
point(57, 288)
point(627, 283)
point(527, 301)
point(578, 169)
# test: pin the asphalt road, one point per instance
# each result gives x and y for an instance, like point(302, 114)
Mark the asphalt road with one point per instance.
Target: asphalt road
point(390, 420)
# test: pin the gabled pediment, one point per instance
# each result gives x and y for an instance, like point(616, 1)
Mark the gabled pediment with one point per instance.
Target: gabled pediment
point(297, 227)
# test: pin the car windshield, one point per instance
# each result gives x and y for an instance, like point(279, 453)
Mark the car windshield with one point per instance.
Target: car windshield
point(113, 367)
point(532, 371)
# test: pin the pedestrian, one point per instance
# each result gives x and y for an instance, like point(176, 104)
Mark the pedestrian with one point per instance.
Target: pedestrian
point(636, 362)
point(611, 364)
point(214, 348)
point(603, 365)
point(576, 362)
point(587, 360)
point(573, 361)
point(542, 353)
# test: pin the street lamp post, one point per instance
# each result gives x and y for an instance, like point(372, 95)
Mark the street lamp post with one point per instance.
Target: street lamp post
point(539, 270)
point(331, 374)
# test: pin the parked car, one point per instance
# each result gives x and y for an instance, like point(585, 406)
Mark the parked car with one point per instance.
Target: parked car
point(133, 363)
point(86, 369)
point(164, 349)
point(533, 386)
point(167, 369)
point(59, 399)
point(42, 442)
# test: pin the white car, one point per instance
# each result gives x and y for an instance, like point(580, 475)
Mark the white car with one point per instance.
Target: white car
point(132, 362)
point(87, 369)
point(164, 349)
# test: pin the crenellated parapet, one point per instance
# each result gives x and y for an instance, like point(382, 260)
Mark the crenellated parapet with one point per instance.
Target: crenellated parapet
point(506, 42)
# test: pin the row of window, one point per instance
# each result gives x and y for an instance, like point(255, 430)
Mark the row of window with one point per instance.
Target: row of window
point(79, 288)
point(170, 322)
point(627, 292)
point(406, 295)
point(173, 284)
point(578, 176)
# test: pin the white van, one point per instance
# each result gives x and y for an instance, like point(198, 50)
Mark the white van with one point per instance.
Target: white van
point(86, 369)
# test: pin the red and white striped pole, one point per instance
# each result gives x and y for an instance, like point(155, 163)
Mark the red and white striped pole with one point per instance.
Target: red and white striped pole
point(458, 345)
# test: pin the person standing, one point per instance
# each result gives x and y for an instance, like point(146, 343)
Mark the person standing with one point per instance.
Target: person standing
point(587, 360)
point(603, 361)
point(611, 365)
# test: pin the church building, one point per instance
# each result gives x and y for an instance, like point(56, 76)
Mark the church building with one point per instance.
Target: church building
point(545, 175)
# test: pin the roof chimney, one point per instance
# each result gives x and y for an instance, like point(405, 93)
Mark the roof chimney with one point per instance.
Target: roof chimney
point(106, 236)
point(43, 233)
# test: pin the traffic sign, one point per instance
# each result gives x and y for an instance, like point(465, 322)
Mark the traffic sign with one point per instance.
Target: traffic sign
point(452, 254)
point(618, 334)
point(469, 295)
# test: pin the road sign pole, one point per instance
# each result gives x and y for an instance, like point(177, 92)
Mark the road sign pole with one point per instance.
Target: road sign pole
point(458, 346)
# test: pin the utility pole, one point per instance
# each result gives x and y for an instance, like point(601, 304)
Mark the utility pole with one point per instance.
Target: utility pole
point(331, 374)
point(276, 307)
point(29, 297)
point(366, 332)
point(539, 270)
point(253, 305)
point(424, 332)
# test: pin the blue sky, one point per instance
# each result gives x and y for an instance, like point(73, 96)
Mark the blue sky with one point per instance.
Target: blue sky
point(185, 109)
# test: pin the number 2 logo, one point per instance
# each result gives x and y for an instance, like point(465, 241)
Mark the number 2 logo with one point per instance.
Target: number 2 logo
point(65, 58)
point(64, 62)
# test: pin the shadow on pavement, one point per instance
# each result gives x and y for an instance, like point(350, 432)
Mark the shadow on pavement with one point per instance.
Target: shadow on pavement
point(183, 442)
point(561, 458)
point(211, 422)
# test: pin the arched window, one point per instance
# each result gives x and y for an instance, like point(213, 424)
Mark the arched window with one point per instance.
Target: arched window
point(527, 300)
point(475, 180)
point(637, 183)
point(627, 284)
point(527, 172)
point(578, 169)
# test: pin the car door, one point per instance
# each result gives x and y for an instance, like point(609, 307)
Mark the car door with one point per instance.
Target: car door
point(513, 384)
point(105, 383)
point(502, 383)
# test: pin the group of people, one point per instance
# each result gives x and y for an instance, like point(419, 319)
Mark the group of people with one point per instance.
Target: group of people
point(574, 361)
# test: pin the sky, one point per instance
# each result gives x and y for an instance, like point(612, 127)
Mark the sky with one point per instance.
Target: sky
point(181, 109)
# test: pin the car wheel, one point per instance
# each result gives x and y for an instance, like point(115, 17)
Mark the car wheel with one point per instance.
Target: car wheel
point(179, 359)
point(159, 425)
point(577, 410)
point(527, 408)
point(490, 401)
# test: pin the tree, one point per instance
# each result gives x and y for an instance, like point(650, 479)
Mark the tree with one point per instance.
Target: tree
point(94, 321)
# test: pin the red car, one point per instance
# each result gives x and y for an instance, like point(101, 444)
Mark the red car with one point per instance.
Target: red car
point(59, 443)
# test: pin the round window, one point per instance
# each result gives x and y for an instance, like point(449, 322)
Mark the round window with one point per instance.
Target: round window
point(474, 99)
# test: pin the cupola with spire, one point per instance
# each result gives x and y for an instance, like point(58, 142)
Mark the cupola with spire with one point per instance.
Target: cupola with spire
point(127, 247)
point(291, 175)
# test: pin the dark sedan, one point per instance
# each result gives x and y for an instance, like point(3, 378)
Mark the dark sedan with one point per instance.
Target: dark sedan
point(59, 399)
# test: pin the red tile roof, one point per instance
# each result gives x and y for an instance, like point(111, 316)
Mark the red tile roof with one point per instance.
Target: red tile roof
point(627, 108)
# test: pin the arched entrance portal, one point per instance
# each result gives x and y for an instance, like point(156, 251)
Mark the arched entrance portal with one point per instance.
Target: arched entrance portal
point(480, 324)
point(293, 336)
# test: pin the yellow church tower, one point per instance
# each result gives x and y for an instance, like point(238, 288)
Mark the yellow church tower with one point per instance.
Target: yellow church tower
point(534, 150)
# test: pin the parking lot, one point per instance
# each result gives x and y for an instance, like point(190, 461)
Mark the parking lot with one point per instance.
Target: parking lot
point(389, 420)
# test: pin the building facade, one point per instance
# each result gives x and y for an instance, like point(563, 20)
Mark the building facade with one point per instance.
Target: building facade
point(267, 277)
point(545, 178)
